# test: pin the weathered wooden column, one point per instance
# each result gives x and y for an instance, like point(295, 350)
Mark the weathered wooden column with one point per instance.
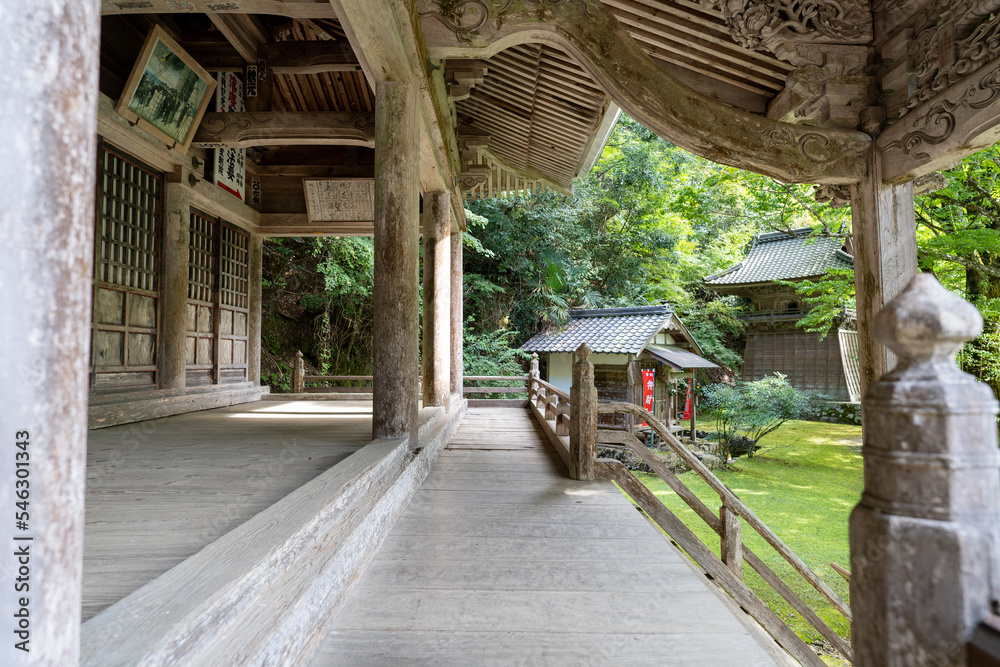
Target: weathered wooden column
point(885, 257)
point(925, 538)
point(457, 316)
point(253, 323)
point(583, 416)
point(48, 122)
point(731, 541)
point(437, 299)
point(174, 290)
point(395, 334)
point(298, 373)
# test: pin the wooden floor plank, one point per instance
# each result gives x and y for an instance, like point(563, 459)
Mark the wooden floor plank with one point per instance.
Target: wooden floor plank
point(368, 648)
point(501, 559)
point(161, 490)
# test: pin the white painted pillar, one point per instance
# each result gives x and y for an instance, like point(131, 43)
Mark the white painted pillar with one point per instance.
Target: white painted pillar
point(885, 258)
point(457, 314)
point(174, 288)
point(48, 126)
point(397, 235)
point(253, 324)
point(437, 299)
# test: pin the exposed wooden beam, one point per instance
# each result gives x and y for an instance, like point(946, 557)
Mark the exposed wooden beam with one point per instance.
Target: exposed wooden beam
point(297, 57)
point(294, 10)
point(298, 224)
point(275, 128)
point(704, 32)
point(300, 171)
point(310, 57)
point(245, 33)
point(712, 59)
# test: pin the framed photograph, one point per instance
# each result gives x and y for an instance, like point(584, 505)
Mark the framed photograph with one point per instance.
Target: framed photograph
point(167, 92)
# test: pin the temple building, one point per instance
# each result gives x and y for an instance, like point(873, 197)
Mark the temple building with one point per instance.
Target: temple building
point(167, 510)
point(823, 363)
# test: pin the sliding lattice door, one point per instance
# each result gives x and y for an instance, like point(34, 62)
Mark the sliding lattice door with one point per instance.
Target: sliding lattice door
point(218, 302)
point(126, 273)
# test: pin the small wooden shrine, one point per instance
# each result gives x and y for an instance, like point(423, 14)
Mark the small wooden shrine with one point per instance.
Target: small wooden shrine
point(632, 347)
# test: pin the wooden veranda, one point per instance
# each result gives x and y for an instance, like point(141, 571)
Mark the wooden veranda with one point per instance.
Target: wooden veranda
point(133, 219)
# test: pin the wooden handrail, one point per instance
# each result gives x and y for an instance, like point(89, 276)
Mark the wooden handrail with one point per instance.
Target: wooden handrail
point(732, 501)
point(551, 388)
point(555, 407)
point(495, 378)
point(777, 628)
point(716, 524)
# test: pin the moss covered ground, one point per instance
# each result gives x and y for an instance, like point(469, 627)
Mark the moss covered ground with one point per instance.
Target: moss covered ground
point(803, 484)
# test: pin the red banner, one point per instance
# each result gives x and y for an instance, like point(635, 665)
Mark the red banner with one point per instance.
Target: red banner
point(687, 402)
point(647, 389)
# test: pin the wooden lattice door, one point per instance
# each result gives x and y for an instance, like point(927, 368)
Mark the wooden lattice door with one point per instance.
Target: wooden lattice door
point(218, 301)
point(126, 273)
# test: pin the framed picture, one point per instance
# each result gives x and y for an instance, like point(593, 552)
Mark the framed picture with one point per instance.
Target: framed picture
point(167, 92)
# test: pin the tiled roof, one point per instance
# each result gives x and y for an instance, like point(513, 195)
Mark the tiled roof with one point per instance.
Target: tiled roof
point(779, 256)
point(620, 330)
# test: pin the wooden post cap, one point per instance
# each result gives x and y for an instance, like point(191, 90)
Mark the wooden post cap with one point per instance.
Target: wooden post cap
point(926, 322)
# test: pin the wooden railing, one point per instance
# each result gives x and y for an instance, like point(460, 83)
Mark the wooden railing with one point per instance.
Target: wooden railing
point(572, 428)
point(519, 386)
point(362, 384)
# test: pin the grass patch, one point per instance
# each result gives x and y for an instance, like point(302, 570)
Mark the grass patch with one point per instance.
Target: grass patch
point(803, 484)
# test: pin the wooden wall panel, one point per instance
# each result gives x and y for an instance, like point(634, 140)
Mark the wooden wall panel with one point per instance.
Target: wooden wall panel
point(811, 363)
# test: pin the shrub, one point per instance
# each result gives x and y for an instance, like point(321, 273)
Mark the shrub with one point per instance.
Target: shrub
point(751, 410)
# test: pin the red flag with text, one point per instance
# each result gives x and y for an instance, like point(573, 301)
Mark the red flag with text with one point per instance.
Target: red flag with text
point(647, 389)
point(687, 402)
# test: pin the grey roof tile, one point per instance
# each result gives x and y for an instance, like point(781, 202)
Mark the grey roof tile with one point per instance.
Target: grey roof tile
point(779, 256)
point(623, 330)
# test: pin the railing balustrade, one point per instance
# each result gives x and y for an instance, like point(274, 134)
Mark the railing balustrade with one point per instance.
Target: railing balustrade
point(362, 384)
point(570, 420)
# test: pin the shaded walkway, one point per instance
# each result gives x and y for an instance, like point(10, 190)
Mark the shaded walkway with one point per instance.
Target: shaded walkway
point(502, 559)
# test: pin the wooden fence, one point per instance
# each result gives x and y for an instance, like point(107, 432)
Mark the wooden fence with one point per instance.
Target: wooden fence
point(570, 420)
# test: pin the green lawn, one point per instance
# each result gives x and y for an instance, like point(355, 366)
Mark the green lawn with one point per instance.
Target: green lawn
point(803, 484)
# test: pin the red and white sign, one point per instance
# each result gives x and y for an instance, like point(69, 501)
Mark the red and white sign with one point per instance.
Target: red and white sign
point(230, 163)
point(648, 382)
point(687, 402)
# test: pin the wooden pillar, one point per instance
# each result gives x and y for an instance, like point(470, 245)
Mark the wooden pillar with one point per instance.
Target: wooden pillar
point(583, 417)
point(48, 122)
point(437, 299)
point(253, 324)
point(174, 288)
point(298, 373)
point(633, 388)
point(925, 538)
point(457, 316)
point(885, 258)
point(731, 541)
point(397, 235)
